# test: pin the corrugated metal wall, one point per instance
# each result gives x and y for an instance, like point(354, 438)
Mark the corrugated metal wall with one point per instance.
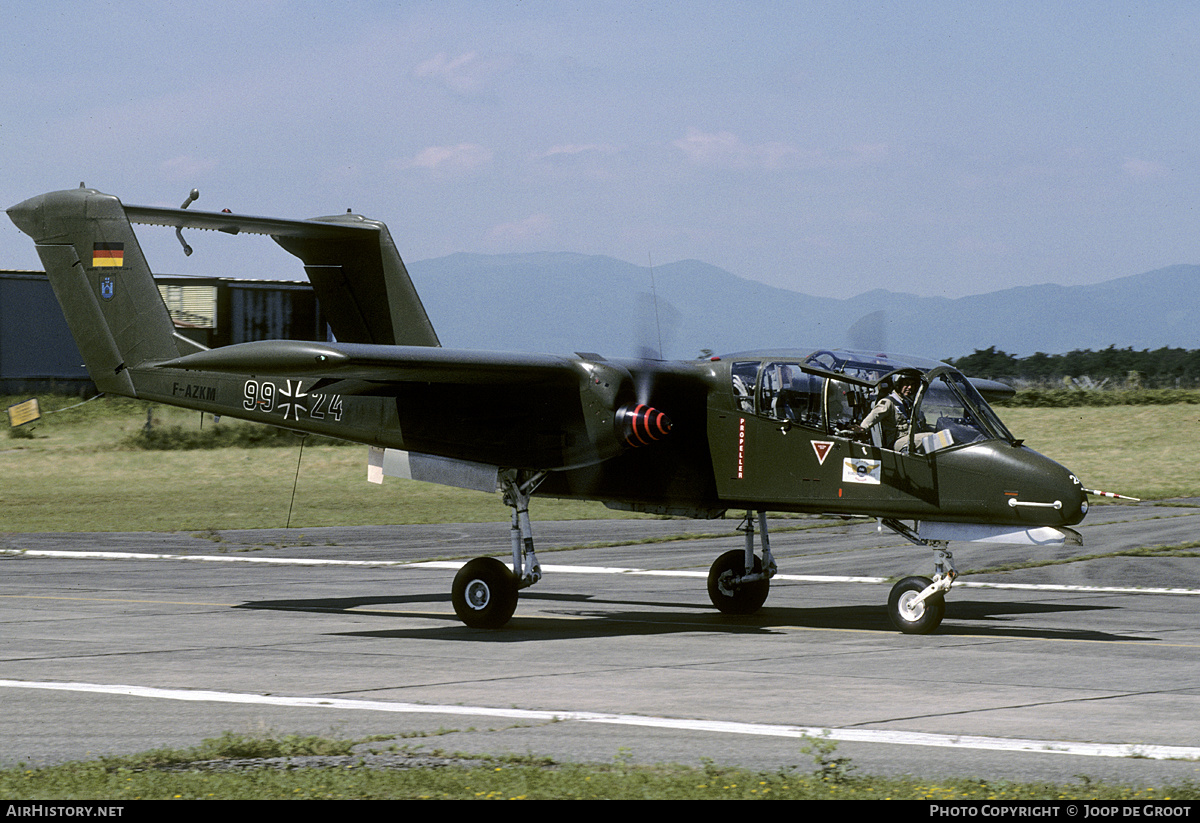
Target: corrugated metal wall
point(36, 347)
point(190, 306)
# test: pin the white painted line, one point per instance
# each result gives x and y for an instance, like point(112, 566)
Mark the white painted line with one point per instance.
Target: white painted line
point(899, 738)
point(279, 561)
point(454, 565)
point(1048, 587)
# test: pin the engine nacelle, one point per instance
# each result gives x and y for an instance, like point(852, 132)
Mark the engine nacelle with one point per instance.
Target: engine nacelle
point(615, 420)
point(641, 425)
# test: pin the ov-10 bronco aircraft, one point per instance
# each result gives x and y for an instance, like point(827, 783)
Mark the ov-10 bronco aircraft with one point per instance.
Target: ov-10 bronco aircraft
point(774, 431)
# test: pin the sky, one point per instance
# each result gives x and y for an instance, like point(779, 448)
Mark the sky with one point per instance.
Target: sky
point(832, 148)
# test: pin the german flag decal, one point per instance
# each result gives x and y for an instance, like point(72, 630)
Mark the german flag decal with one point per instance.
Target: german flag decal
point(108, 255)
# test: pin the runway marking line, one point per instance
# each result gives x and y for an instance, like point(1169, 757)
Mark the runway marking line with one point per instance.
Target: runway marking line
point(902, 738)
point(454, 565)
point(113, 600)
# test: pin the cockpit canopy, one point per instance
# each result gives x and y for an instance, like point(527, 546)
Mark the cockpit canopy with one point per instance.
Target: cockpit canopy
point(833, 391)
point(867, 366)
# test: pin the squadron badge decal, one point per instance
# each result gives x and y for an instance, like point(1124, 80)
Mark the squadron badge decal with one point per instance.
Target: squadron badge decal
point(855, 470)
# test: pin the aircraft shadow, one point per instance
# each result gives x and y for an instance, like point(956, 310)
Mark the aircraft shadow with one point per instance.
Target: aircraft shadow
point(577, 616)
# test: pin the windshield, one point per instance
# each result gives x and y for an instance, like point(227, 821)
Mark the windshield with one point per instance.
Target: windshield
point(950, 411)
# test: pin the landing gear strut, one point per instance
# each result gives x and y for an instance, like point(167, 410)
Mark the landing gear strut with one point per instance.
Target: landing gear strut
point(485, 590)
point(739, 582)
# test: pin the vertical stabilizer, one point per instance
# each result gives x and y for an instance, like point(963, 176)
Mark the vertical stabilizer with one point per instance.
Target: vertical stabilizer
point(362, 283)
point(102, 281)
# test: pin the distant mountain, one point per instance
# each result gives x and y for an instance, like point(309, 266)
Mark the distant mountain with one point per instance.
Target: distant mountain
point(563, 303)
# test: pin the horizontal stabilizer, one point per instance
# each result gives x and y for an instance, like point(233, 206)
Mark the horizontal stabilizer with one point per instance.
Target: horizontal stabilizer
point(247, 224)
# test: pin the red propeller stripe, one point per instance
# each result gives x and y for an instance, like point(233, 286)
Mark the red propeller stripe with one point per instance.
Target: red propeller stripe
point(646, 424)
point(638, 416)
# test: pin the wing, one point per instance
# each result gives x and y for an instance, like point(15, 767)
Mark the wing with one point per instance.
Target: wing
point(513, 409)
point(384, 364)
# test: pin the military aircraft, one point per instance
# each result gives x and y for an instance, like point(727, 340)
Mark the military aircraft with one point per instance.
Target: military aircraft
point(754, 432)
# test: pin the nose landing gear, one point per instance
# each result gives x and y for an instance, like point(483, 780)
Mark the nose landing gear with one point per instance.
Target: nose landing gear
point(911, 610)
point(916, 605)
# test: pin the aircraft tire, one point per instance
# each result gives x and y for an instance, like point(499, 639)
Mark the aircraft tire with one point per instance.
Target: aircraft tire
point(745, 599)
point(923, 618)
point(484, 593)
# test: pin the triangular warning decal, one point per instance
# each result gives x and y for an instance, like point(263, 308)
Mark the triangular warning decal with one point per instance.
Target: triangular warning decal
point(822, 447)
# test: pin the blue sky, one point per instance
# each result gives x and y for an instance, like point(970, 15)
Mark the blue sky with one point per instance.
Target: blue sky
point(937, 148)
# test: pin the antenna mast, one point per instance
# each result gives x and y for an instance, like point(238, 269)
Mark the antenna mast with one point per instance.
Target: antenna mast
point(654, 297)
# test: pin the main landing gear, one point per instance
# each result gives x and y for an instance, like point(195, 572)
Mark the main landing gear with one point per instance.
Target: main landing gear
point(917, 605)
point(485, 590)
point(739, 581)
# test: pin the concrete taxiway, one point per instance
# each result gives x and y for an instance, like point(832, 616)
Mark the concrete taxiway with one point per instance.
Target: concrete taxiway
point(117, 643)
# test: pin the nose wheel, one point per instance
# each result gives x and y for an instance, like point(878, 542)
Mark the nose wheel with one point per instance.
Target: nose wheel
point(913, 613)
point(917, 605)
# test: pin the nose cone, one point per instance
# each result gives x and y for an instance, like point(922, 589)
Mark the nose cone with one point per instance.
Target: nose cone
point(1070, 492)
point(1043, 492)
point(1015, 484)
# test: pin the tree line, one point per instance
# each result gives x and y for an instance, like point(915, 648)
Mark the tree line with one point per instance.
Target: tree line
point(1126, 368)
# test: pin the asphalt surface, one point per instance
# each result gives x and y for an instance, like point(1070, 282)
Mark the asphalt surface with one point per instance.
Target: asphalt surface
point(119, 643)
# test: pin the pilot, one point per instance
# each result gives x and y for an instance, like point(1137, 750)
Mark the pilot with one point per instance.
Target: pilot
point(894, 413)
point(787, 404)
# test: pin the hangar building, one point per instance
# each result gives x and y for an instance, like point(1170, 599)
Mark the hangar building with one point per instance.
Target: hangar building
point(38, 354)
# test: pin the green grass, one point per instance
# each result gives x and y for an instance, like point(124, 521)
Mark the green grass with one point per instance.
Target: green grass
point(190, 774)
point(1151, 452)
point(1063, 398)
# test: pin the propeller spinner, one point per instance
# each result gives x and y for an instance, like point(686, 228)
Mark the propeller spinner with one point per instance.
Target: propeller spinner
point(641, 425)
